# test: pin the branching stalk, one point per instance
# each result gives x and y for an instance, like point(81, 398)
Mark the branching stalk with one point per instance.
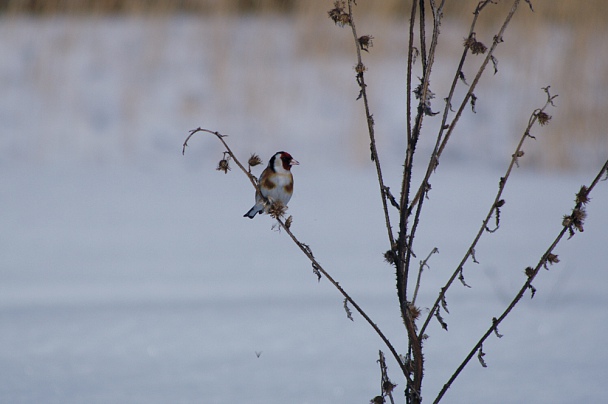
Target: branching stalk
point(531, 274)
point(308, 253)
point(442, 141)
point(360, 69)
point(492, 210)
point(448, 101)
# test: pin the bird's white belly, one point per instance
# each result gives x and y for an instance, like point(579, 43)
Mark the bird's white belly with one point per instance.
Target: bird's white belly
point(278, 192)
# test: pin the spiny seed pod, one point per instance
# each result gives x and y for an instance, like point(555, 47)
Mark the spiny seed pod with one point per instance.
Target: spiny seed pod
point(277, 210)
point(338, 14)
point(414, 311)
point(543, 118)
point(552, 258)
point(389, 256)
point(254, 160)
point(474, 45)
point(377, 400)
point(388, 387)
point(366, 42)
point(478, 48)
point(583, 195)
point(578, 218)
point(223, 166)
point(360, 68)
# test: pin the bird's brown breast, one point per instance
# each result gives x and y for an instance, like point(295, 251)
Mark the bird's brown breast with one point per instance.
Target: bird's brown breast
point(268, 183)
point(288, 188)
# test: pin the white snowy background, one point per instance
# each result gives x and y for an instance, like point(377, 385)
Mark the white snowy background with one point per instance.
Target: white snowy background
point(128, 274)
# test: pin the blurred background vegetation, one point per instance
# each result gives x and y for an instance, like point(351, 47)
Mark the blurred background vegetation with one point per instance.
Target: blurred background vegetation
point(579, 13)
point(562, 44)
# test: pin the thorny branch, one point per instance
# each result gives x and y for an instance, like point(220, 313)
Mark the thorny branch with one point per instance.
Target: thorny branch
point(496, 204)
point(360, 70)
point(386, 386)
point(582, 198)
point(441, 139)
point(401, 248)
point(406, 238)
point(401, 243)
point(308, 252)
point(423, 264)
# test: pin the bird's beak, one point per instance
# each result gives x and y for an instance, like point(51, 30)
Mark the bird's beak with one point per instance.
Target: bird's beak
point(294, 163)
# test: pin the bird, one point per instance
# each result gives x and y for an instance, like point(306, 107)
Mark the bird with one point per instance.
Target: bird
point(275, 183)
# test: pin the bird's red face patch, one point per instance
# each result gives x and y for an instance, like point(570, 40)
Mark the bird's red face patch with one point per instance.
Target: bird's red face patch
point(287, 161)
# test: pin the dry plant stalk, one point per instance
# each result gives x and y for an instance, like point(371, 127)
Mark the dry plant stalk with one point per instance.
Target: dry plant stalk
point(401, 243)
point(305, 248)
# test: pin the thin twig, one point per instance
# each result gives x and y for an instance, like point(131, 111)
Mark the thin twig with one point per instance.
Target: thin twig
point(386, 386)
point(405, 240)
point(423, 264)
point(497, 40)
point(450, 128)
point(493, 207)
point(360, 69)
point(306, 250)
point(308, 253)
point(410, 62)
point(221, 137)
point(448, 101)
point(527, 285)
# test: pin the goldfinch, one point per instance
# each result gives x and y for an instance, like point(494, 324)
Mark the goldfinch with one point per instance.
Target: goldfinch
point(276, 183)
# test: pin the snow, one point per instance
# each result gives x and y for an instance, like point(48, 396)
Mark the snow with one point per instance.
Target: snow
point(128, 273)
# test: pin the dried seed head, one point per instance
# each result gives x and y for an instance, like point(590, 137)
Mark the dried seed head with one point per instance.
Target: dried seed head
point(529, 272)
point(360, 68)
point(543, 118)
point(223, 166)
point(474, 45)
point(478, 48)
point(583, 195)
point(468, 42)
point(254, 160)
point(578, 218)
point(414, 311)
point(552, 258)
point(338, 14)
point(419, 89)
point(377, 400)
point(277, 209)
point(389, 256)
point(366, 42)
point(388, 387)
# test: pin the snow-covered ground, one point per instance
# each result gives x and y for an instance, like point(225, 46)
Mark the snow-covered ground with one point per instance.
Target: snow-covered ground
point(128, 274)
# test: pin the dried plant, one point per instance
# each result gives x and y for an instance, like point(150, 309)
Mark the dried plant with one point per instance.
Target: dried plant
point(408, 208)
